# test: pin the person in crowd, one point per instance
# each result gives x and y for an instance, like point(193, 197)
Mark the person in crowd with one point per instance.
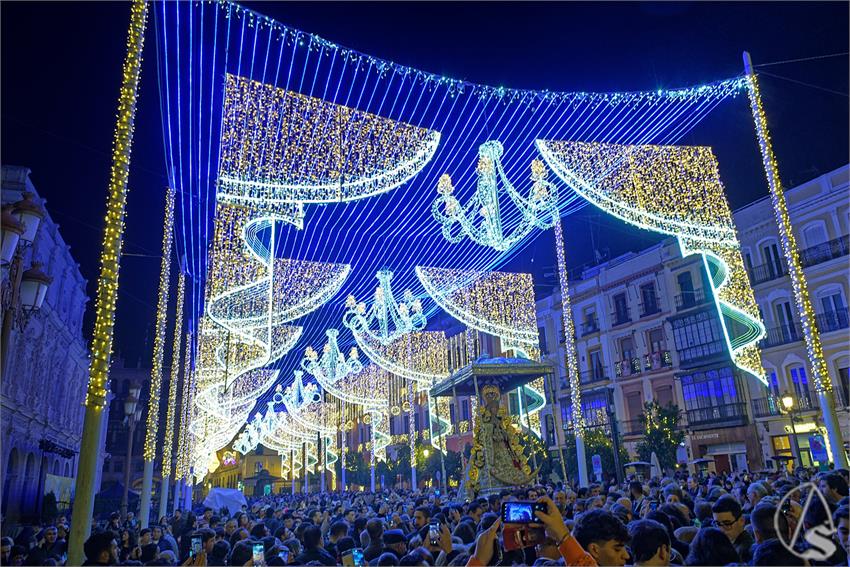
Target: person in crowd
point(834, 487)
point(314, 549)
point(772, 552)
point(711, 546)
point(650, 543)
point(729, 518)
point(375, 532)
point(604, 537)
point(101, 548)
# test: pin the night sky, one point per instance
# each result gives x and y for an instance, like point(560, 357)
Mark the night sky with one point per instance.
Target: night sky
point(61, 65)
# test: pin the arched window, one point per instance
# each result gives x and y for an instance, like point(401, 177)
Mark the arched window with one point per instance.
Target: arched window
point(800, 381)
point(815, 234)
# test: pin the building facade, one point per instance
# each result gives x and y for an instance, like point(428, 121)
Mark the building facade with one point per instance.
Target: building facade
point(819, 212)
point(45, 373)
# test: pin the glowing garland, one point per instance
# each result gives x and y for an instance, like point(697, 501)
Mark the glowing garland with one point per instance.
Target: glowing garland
point(168, 442)
point(270, 146)
point(497, 303)
point(183, 436)
point(673, 190)
point(539, 209)
point(152, 428)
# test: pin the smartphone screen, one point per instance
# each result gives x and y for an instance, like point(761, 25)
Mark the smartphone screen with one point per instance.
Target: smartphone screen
point(259, 555)
point(196, 545)
point(521, 512)
point(284, 555)
point(357, 555)
point(434, 533)
point(653, 505)
point(348, 559)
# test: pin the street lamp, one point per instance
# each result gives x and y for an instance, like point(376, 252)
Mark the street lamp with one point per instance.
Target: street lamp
point(27, 289)
point(132, 415)
point(788, 405)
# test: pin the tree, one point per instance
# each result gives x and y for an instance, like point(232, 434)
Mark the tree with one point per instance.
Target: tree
point(663, 435)
point(597, 441)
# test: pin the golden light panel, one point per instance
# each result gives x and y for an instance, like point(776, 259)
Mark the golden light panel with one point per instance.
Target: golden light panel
point(674, 190)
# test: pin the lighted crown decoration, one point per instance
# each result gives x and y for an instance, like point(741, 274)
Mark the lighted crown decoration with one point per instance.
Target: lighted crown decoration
point(332, 366)
point(393, 319)
point(538, 210)
point(272, 136)
point(674, 190)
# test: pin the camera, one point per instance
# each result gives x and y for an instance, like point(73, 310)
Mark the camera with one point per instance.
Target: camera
point(521, 512)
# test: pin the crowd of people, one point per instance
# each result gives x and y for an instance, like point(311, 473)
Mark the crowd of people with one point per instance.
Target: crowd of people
point(725, 519)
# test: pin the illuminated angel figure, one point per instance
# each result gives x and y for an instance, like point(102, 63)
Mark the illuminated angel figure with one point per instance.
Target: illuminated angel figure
point(385, 311)
point(539, 209)
point(333, 365)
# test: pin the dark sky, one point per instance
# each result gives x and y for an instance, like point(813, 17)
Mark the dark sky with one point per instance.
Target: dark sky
point(61, 65)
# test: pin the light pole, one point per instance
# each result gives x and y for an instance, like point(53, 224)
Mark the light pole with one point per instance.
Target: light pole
point(615, 435)
point(132, 413)
point(27, 288)
point(788, 404)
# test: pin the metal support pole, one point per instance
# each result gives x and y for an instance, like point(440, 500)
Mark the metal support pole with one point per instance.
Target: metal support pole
point(128, 462)
point(306, 487)
point(373, 456)
point(164, 489)
point(615, 436)
point(411, 422)
point(107, 287)
point(811, 335)
point(292, 469)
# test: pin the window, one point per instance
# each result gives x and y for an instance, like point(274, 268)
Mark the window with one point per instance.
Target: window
point(594, 409)
point(773, 383)
point(627, 348)
point(832, 303)
point(648, 299)
point(656, 340)
point(621, 309)
point(686, 283)
point(416, 421)
point(464, 407)
point(452, 412)
point(815, 234)
point(513, 404)
point(844, 386)
point(550, 431)
point(597, 369)
point(406, 424)
point(748, 260)
point(698, 336)
point(664, 396)
point(800, 380)
point(708, 389)
point(634, 403)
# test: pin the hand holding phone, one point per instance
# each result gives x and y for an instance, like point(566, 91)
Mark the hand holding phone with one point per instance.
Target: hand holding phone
point(196, 546)
point(259, 555)
point(521, 512)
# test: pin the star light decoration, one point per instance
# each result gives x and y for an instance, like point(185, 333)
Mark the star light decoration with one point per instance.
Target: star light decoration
point(538, 210)
point(674, 190)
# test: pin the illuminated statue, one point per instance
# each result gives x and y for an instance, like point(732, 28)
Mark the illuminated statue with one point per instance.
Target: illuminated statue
point(497, 460)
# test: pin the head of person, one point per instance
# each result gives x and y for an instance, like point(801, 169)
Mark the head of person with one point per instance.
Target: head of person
point(207, 539)
point(230, 527)
point(833, 486)
point(242, 552)
point(635, 489)
point(387, 559)
point(421, 517)
point(494, 502)
point(765, 522)
point(101, 547)
point(259, 531)
point(772, 552)
point(650, 543)
point(711, 547)
point(672, 494)
point(728, 516)
point(755, 492)
point(395, 541)
point(375, 530)
point(603, 536)
point(219, 552)
point(50, 534)
point(312, 538)
point(156, 533)
point(475, 511)
point(337, 530)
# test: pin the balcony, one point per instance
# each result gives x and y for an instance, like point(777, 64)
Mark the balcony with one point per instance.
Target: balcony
point(806, 402)
point(632, 428)
point(621, 316)
point(589, 326)
point(766, 407)
point(688, 299)
point(658, 360)
point(592, 376)
point(726, 415)
point(699, 353)
point(629, 367)
point(781, 335)
point(833, 320)
point(648, 308)
point(824, 252)
point(766, 272)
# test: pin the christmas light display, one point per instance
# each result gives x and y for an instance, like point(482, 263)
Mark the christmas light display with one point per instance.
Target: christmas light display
point(673, 190)
point(498, 303)
point(333, 366)
point(271, 137)
point(159, 330)
point(185, 416)
point(393, 319)
point(539, 209)
point(171, 395)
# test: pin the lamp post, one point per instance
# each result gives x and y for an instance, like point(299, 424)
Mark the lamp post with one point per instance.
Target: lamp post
point(615, 435)
point(132, 413)
point(27, 288)
point(788, 404)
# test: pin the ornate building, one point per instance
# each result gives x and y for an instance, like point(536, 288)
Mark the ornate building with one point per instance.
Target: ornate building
point(46, 370)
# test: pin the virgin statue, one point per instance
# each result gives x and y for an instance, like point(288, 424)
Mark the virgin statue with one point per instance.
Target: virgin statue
point(497, 460)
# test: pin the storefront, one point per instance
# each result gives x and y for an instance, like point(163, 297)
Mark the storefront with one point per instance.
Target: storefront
point(732, 448)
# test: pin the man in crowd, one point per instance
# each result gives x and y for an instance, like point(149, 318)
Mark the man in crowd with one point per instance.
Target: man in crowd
point(729, 517)
point(650, 543)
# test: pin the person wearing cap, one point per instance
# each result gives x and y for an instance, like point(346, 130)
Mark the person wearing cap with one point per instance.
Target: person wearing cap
point(395, 543)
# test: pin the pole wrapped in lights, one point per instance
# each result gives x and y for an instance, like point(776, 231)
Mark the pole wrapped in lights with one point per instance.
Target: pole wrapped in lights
point(152, 428)
point(674, 190)
point(185, 414)
point(107, 285)
point(538, 210)
point(168, 440)
point(791, 252)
